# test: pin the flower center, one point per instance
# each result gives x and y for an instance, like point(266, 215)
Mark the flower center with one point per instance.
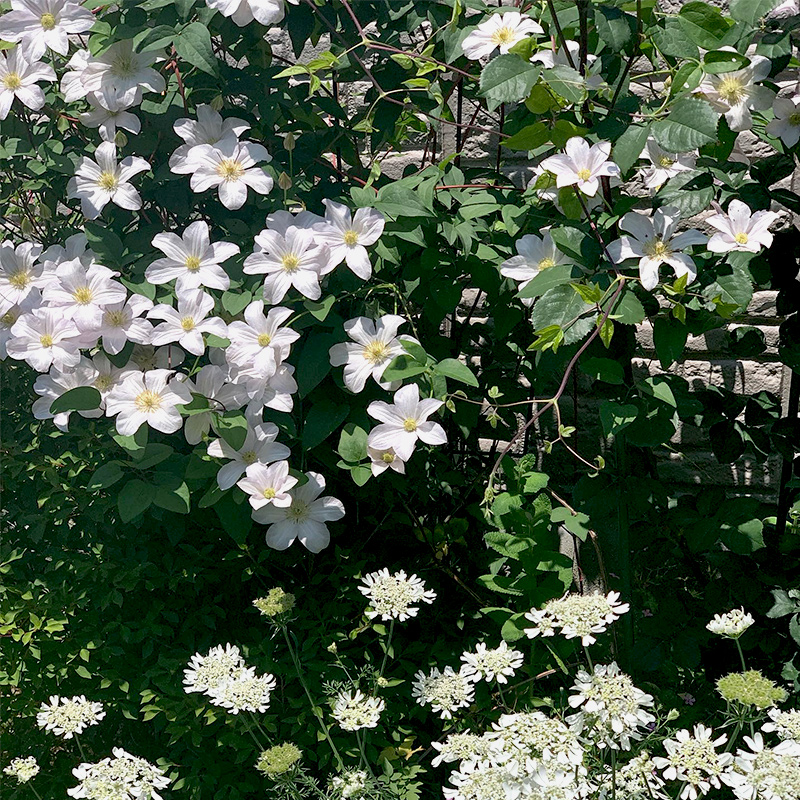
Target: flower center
point(48, 21)
point(83, 295)
point(123, 67)
point(269, 493)
point(12, 81)
point(657, 248)
point(546, 263)
point(249, 457)
point(20, 279)
point(741, 238)
point(148, 401)
point(731, 90)
point(584, 173)
point(376, 352)
point(192, 263)
point(230, 170)
point(46, 340)
point(665, 161)
point(108, 181)
point(794, 119)
point(387, 458)
point(115, 319)
point(350, 238)
point(504, 35)
point(187, 323)
point(290, 262)
point(103, 383)
point(409, 425)
point(297, 511)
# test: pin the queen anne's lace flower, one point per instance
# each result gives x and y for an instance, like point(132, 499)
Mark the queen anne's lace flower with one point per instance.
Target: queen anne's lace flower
point(469, 748)
point(217, 666)
point(445, 692)
point(766, 773)
point(692, 757)
point(23, 769)
point(498, 664)
point(123, 777)
point(612, 709)
point(276, 603)
point(356, 711)
point(576, 615)
point(785, 723)
point(750, 688)
point(391, 596)
point(535, 735)
point(350, 784)
point(636, 780)
point(246, 691)
point(733, 624)
point(66, 716)
point(278, 759)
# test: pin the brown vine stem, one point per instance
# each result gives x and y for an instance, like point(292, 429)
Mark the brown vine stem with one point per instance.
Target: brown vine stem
point(552, 7)
point(390, 49)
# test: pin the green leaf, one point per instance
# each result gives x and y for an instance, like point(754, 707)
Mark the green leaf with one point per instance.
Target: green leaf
point(83, 398)
point(672, 41)
point(398, 201)
point(615, 417)
point(563, 306)
point(106, 475)
point(403, 367)
point(734, 290)
point(574, 523)
point(529, 138)
point(236, 302)
point(507, 79)
point(704, 24)
point(691, 124)
point(233, 429)
point(630, 145)
point(603, 369)
point(134, 499)
point(454, 369)
point(193, 45)
point(718, 61)
point(751, 11)
point(628, 309)
point(105, 243)
point(319, 309)
point(176, 500)
point(547, 279)
point(352, 443)
point(614, 27)
point(566, 82)
point(669, 338)
point(415, 350)
point(323, 419)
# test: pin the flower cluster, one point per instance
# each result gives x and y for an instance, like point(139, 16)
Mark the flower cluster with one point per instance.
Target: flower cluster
point(123, 777)
point(278, 759)
point(276, 603)
point(23, 769)
point(498, 664)
point(69, 716)
point(445, 692)
point(391, 596)
point(750, 688)
point(733, 624)
point(354, 711)
point(576, 615)
point(224, 677)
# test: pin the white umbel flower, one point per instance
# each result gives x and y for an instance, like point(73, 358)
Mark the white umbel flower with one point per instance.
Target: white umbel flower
point(19, 78)
point(102, 180)
point(219, 665)
point(784, 723)
point(123, 777)
point(245, 692)
point(39, 24)
point(375, 344)
point(582, 166)
point(404, 422)
point(735, 94)
point(148, 397)
point(766, 773)
point(654, 241)
point(612, 709)
point(577, 615)
point(268, 484)
point(499, 31)
point(468, 748)
point(739, 229)
point(45, 338)
point(445, 692)
point(304, 519)
point(21, 273)
point(664, 165)
point(786, 125)
point(532, 734)
point(732, 624)
point(191, 259)
point(68, 716)
point(349, 236)
point(692, 757)
point(259, 447)
point(498, 664)
point(391, 596)
point(208, 128)
point(23, 769)
point(350, 784)
point(243, 12)
point(354, 711)
point(231, 167)
point(487, 782)
point(637, 779)
point(187, 324)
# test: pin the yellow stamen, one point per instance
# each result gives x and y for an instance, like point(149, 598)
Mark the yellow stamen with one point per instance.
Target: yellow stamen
point(193, 263)
point(187, 323)
point(665, 161)
point(103, 383)
point(741, 238)
point(115, 318)
point(504, 35)
point(12, 81)
point(148, 401)
point(48, 21)
point(387, 458)
point(794, 119)
point(230, 170)
point(297, 510)
point(409, 425)
point(546, 263)
point(584, 174)
point(264, 339)
point(108, 181)
point(20, 280)
point(46, 340)
point(657, 248)
point(350, 238)
point(290, 262)
point(269, 493)
point(376, 352)
point(731, 90)
point(83, 295)
point(249, 457)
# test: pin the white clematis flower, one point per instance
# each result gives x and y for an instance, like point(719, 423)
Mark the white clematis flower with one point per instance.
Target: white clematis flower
point(231, 166)
point(735, 94)
point(19, 78)
point(102, 181)
point(20, 273)
point(534, 254)
point(39, 24)
point(664, 165)
point(740, 229)
point(268, 484)
point(45, 338)
point(654, 242)
point(405, 421)
point(381, 460)
point(11, 315)
point(501, 31)
point(208, 128)
point(121, 323)
point(211, 382)
point(348, 237)
point(107, 120)
point(147, 397)
point(261, 343)
point(243, 12)
point(191, 259)
point(259, 447)
point(304, 519)
point(582, 165)
point(51, 386)
point(786, 125)
point(187, 324)
point(375, 345)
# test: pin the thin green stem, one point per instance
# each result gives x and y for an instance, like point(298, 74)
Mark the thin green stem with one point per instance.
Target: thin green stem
point(325, 731)
point(741, 655)
point(261, 729)
point(35, 792)
point(80, 750)
point(386, 650)
point(363, 754)
point(588, 658)
point(259, 746)
point(613, 775)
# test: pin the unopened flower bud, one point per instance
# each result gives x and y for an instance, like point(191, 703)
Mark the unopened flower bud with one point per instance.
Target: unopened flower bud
point(289, 141)
point(332, 648)
point(217, 102)
point(284, 181)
